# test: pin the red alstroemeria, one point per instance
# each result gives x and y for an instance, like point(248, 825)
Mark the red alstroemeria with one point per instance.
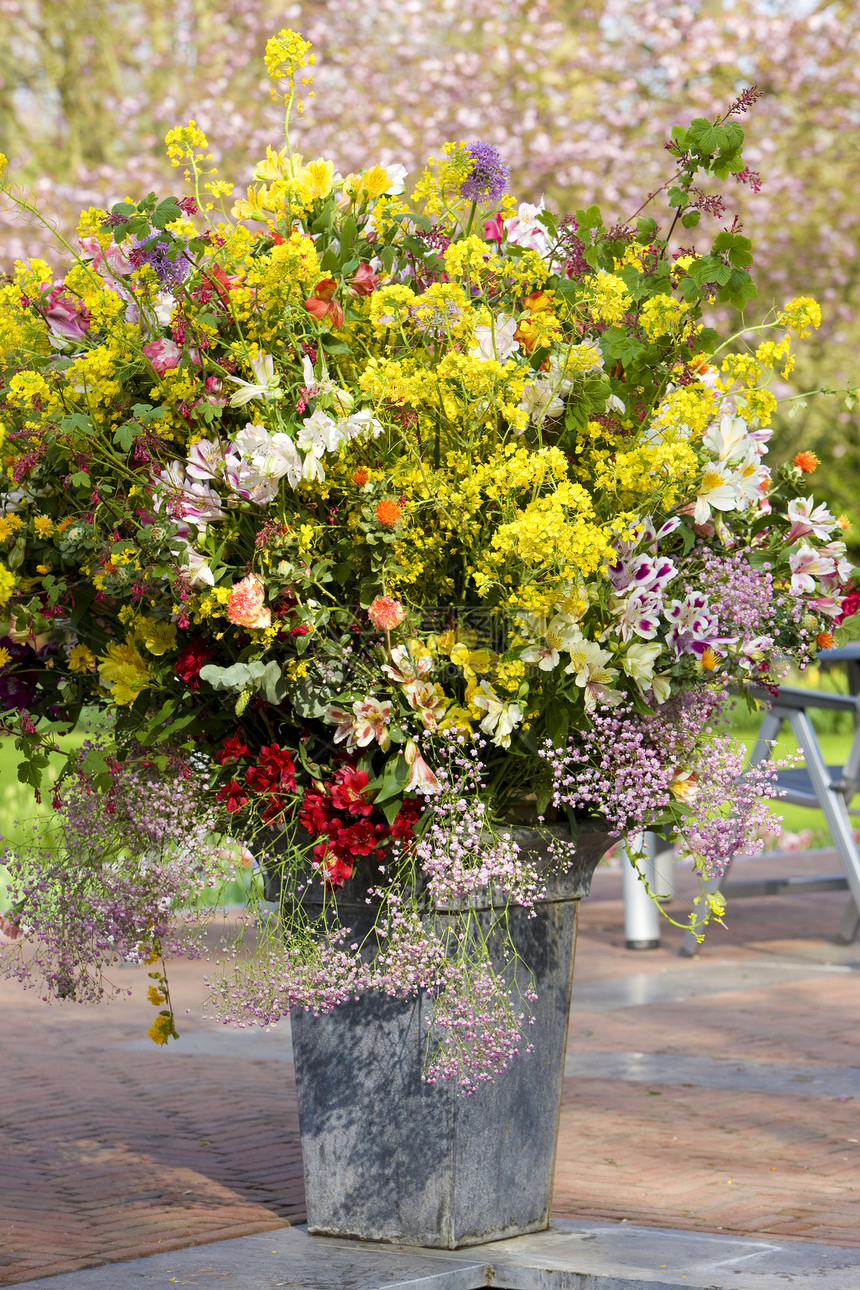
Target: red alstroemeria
point(322, 305)
point(347, 791)
point(279, 764)
point(232, 795)
point(259, 780)
point(332, 868)
point(191, 659)
point(232, 748)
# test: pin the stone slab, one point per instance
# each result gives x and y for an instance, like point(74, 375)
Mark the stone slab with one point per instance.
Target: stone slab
point(570, 1256)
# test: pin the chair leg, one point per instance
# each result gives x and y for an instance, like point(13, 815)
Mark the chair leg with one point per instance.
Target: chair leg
point(850, 925)
point(832, 803)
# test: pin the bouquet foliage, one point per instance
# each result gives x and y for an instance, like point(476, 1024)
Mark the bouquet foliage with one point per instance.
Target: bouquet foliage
point(374, 515)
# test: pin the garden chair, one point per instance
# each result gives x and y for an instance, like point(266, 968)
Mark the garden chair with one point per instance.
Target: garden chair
point(816, 785)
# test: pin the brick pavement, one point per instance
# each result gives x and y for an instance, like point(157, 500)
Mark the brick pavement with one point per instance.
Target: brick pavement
point(112, 1152)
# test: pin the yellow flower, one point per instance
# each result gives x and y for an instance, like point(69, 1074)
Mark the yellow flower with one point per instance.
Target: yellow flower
point(607, 297)
point(5, 656)
point(161, 1029)
point(7, 585)
point(155, 997)
point(801, 314)
point(125, 671)
point(155, 634)
point(43, 525)
point(81, 659)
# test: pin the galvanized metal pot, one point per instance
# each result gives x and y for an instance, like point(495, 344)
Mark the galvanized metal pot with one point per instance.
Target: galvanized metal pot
point(388, 1157)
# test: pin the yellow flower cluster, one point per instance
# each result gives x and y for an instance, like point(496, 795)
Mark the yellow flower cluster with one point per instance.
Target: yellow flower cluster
point(801, 315)
point(442, 178)
point(606, 297)
point(663, 315)
point(286, 54)
point(685, 411)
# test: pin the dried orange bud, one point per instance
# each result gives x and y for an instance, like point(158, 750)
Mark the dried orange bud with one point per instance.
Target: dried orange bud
point(824, 640)
point(806, 461)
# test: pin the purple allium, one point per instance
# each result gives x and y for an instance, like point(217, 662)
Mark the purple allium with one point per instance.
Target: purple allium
point(489, 176)
point(154, 252)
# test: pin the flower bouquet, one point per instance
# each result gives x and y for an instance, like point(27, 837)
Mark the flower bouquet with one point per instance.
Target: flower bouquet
point(372, 517)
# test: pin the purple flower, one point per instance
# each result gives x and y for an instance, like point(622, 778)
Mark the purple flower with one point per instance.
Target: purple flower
point(489, 176)
point(154, 251)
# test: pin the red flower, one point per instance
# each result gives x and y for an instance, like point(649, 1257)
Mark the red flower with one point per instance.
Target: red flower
point(365, 281)
point(347, 791)
point(848, 608)
point(332, 868)
point(280, 765)
point(232, 748)
point(405, 819)
point(258, 781)
point(191, 659)
point(321, 304)
point(232, 795)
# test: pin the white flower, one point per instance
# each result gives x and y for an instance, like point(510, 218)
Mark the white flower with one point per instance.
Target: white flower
point(496, 342)
point(162, 306)
point(267, 385)
point(396, 178)
point(730, 440)
point(205, 459)
point(362, 422)
point(540, 399)
point(807, 518)
point(501, 719)
point(319, 433)
point(587, 662)
point(748, 479)
point(638, 661)
point(716, 490)
point(198, 565)
point(524, 229)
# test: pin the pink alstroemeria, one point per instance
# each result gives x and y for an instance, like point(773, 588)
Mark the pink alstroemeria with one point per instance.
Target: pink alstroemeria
point(494, 229)
point(421, 777)
point(364, 281)
point(163, 354)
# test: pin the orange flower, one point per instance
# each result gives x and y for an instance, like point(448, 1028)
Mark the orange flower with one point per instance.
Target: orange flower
point(360, 476)
point(538, 302)
point(388, 512)
point(322, 305)
point(806, 461)
point(824, 640)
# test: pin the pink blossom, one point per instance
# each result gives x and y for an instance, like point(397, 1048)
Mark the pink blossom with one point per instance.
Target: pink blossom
point(245, 604)
point(386, 613)
point(163, 354)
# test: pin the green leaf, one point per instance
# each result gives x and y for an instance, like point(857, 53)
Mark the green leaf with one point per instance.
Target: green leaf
point(80, 479)
point(77, 421)
point(704, 135)
point(332, 345)
point(589, 219)
point(125, 435)
point(691, 219)
point(707, 340)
